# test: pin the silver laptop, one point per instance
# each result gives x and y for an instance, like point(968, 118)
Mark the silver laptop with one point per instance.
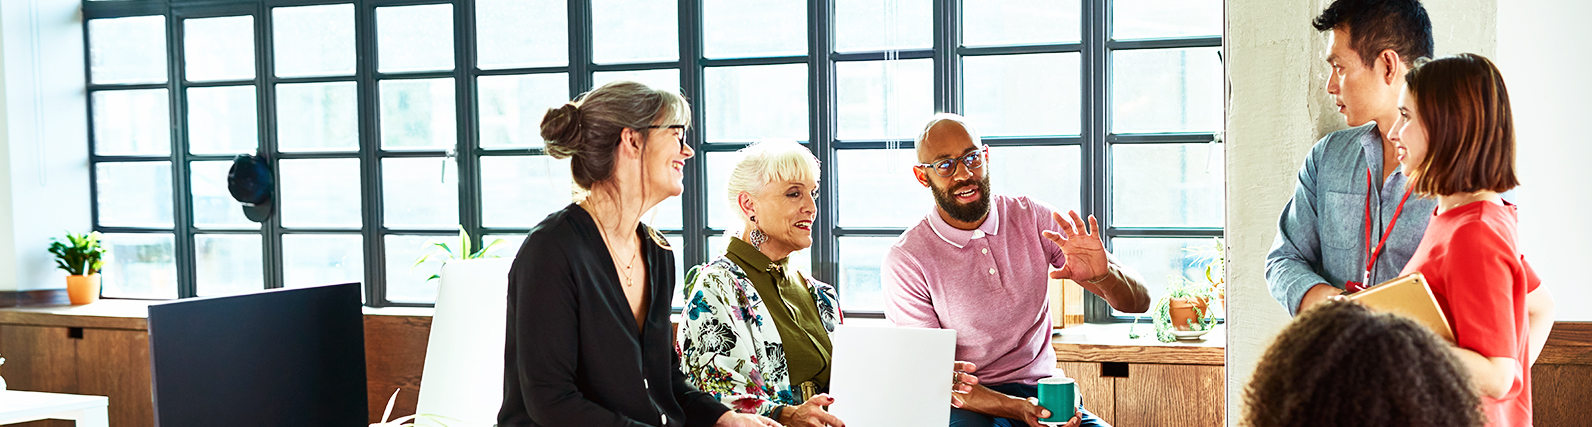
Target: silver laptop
point(888, 376)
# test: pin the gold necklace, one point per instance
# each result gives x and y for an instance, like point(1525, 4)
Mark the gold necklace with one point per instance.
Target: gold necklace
point(608, 244)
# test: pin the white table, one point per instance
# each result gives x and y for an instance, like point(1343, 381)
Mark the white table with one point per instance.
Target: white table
point(23, 406)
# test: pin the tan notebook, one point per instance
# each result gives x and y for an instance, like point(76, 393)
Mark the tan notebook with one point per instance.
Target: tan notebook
point(1411, 297)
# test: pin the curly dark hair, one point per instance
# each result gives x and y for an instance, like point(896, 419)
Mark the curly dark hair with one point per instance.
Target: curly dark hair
point(1341, 364)
point(1378, 25)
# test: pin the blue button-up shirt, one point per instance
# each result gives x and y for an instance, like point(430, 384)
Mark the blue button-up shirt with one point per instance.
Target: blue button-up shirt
point(1321, 237)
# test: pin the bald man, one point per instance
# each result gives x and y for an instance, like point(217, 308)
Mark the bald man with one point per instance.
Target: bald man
point(979, 264)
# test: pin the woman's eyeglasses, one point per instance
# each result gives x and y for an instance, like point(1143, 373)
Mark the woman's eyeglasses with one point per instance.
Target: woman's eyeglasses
point(947, 167)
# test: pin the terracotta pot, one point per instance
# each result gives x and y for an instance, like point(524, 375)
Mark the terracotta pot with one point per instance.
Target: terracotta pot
point(83, 289)
point(1182, 311)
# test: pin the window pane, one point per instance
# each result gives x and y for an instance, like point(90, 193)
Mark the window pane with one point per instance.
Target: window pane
point(635, 31)
point(317, 116)
point(414, 38)
point(228, 264)
point(1021, 22)
point(1166, 185)
point(132, 122)
point(314, 40)
point(510, 246)
point(666, 79)
point(877, 189)
point(512, 107)
point(1166, 90)
point(221, 120)
point(737, 28)
point(667, 215)
point(1015, 95)
point(723, 214)
point(127, 50)
point(757, 102)
point(884, 99)
point(218, 48)
point(139, 266)
point(418, 114)
point(213, 205)
point(1157, 258)
point(419, 193)
point(860, 258)
point(1143, 19)
point(134, 194)
point(320, 193)
point(866, 25)
point(406, 282)
point(320, 259)
point(521, 33)
point(520, 191)
point(1050, 174)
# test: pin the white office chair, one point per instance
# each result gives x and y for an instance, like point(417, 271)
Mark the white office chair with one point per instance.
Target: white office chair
point(463, 376)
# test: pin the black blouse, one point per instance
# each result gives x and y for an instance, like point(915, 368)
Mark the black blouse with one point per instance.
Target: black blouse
point(573, 355)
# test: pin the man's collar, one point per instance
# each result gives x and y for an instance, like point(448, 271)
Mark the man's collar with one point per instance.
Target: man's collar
point(958, 237)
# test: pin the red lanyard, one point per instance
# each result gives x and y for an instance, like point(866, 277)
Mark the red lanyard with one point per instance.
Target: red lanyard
point(1353, 286)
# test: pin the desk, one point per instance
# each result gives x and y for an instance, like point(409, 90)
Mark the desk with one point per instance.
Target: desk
point(23, 406)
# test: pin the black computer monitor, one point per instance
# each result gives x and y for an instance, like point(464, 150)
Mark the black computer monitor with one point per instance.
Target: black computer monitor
point(285, 357)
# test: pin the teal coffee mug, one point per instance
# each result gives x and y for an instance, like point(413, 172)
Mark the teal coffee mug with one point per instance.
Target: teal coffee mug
point(1060, 396)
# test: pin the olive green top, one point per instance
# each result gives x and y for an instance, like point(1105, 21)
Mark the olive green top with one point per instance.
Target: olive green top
point(790, 302)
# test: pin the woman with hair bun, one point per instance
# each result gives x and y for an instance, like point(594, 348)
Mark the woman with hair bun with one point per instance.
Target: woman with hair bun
point(588, 334)
point(1455, 138)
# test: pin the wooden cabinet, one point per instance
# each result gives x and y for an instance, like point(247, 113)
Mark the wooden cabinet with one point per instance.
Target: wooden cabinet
point(91, 356)
point(1143, 382)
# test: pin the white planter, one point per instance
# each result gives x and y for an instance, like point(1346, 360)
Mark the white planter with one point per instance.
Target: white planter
point(463, 376)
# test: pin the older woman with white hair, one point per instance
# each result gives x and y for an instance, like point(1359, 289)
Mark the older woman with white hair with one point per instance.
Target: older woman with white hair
point(755, 329)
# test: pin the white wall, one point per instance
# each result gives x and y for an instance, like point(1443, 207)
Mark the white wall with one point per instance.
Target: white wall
point(43, 138)
point(1278, 110)
point(1542, 51)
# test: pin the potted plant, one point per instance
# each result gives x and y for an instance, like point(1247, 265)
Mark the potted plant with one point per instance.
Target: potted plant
point(80, 255)
point(1185, 307)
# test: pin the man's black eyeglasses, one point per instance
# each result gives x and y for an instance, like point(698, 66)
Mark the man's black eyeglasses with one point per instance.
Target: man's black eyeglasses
point(947, 167)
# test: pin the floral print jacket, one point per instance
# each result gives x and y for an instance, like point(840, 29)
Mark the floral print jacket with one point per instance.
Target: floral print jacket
point(728, 342)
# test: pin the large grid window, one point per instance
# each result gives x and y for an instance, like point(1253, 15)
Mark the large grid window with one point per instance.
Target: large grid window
point(392, 123)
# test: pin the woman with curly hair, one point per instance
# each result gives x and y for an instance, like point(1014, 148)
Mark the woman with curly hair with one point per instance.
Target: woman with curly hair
point(1340, 364)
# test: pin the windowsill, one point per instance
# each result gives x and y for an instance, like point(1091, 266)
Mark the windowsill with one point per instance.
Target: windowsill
point(1110, 343)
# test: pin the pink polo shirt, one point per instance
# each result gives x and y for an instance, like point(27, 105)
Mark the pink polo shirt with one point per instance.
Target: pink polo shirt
point(988, 284)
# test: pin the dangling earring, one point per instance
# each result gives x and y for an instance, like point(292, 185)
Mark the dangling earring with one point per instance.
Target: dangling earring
point(757, 238)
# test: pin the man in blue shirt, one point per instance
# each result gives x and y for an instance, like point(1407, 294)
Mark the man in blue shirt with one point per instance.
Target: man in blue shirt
point(1352, 222)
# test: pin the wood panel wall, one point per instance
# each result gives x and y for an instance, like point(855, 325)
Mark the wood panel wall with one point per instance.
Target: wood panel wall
point(1561, 381)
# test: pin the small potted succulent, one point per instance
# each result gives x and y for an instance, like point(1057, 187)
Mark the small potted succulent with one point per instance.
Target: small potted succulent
point(81, 256)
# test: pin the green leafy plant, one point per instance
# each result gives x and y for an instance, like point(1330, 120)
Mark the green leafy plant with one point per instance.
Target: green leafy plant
point(80, 254)
point(1180, 287)
point(458, 250)
point(1210, 290)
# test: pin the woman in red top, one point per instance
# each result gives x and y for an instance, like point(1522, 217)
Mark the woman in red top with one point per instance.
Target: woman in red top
point(1455, 139)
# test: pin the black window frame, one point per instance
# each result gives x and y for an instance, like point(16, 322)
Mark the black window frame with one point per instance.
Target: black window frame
point(1095, 142)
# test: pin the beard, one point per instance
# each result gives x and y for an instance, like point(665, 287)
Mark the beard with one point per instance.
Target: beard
point(971, 212)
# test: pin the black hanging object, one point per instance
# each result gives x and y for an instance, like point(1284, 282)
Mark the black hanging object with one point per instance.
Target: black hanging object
point(250, 181)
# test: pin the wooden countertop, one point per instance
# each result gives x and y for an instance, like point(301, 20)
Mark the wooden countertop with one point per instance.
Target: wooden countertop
point(129, 314)
point(104, 314)
point(1110, 343)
